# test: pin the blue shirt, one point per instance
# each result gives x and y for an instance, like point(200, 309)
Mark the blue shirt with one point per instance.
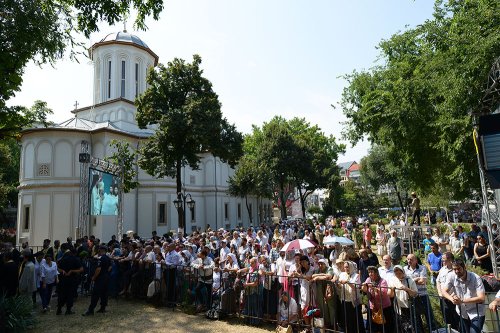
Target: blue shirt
point(427, 244)
point(435, 261)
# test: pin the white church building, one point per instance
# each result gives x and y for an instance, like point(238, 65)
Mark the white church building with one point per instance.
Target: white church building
point(50, 179)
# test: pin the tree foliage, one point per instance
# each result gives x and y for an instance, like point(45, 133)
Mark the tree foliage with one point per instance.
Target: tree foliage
point(14, 119)
point(355, 199)
point(9, 173)
point(41, 31)
point(295, 154)
point(125, 156)
point(186, 111)
point(380, 168)
point(250, 178)
point(417, 102)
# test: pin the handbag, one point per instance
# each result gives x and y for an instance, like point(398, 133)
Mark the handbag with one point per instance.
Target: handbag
point(378, 317)
point(281, 329)
point(328, 292)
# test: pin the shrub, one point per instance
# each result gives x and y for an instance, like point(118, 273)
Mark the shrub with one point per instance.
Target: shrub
point(16, 314)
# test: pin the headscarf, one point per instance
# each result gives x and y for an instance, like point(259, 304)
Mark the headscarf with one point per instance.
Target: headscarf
point(233, 258)
point(353, 268)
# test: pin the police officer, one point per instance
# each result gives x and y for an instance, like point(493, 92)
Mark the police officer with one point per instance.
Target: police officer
point(101, 281)
point(69, 268)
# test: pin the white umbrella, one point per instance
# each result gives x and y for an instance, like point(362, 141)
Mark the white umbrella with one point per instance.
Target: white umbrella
point(330, 240)
point(297, 244)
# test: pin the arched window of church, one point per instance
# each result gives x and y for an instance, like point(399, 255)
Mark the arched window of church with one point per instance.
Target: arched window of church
point(97, 89)
point(109, 79)
point(136, 79)
point(122, 91)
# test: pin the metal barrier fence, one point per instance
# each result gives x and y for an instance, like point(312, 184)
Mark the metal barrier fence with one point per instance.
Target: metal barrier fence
point(321, 306)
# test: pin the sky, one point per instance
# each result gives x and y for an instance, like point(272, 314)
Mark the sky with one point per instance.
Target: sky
point(263, 57)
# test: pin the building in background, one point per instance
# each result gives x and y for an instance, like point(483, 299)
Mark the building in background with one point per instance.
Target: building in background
point(349, 171)
point(49, 189)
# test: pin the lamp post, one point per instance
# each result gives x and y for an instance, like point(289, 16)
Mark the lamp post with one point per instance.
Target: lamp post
point(180, 205)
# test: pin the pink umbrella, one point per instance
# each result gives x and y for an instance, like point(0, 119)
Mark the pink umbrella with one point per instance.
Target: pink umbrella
point(297, 244)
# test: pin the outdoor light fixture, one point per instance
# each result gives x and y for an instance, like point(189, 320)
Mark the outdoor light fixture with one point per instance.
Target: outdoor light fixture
point(180, 203)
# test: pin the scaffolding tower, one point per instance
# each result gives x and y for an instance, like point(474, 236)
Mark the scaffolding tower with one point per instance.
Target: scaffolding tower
point(489, 104)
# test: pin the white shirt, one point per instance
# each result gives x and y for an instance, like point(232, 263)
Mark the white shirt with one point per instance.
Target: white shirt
point(49, 273)
point(440, 239)
point(291, 269)
point(236, 241)
point(150, 256)
point(172, 258)
point(386, 273)
point(442, 277)
point(305, 294)
point(467, 289)
point(348, 293)
point(292, 309)
point(419, 271)
point(38, 272)
point(402, 296)
point(456, 244)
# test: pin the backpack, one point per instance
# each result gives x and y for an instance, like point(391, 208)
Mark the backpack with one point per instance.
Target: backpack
point(395, 250)
point(490, 282)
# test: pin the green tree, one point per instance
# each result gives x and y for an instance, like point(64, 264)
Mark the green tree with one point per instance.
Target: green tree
point(9, 173)
point(182, 105)
point(41, 31)
point(249, 179)
point(379, 168)
point(417, 101)
point(14, 119)
point(355, 199)
point(296, 155)
point(126, 157)
point(280, 154)
point(316, 170)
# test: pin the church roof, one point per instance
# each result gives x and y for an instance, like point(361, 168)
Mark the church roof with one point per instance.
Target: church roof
point(85, 125)
point(124, 38)
point(89, 125)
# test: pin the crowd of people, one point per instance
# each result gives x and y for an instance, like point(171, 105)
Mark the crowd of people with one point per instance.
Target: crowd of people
point(340, 287)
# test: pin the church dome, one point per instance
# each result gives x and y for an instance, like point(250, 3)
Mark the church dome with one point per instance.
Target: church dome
point(124, 36)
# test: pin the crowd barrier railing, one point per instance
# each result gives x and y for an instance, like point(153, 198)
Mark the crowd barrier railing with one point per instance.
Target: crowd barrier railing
point(324, 306)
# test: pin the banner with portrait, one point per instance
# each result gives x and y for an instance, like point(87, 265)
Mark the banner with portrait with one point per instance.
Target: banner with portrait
point(104, 193)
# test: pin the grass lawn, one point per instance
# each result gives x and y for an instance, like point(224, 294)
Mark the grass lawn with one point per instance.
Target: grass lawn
point(136, 316)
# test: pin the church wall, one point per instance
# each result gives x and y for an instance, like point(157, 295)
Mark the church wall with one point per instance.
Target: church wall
point(28, 162)
point(209, 172)
point(62, 224)
point(41, 219)
point(63, 166)
point(129, 211)
point(145, 213)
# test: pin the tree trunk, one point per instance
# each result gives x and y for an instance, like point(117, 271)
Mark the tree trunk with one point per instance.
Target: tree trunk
point(302, 202)
point(283, 201)
point(180, 211)
point(248, 210)
point(399, 197)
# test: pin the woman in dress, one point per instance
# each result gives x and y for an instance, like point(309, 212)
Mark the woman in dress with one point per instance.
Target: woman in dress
point(379, 295)
point(381, 239)
point(482, 254)
point(350, 296)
